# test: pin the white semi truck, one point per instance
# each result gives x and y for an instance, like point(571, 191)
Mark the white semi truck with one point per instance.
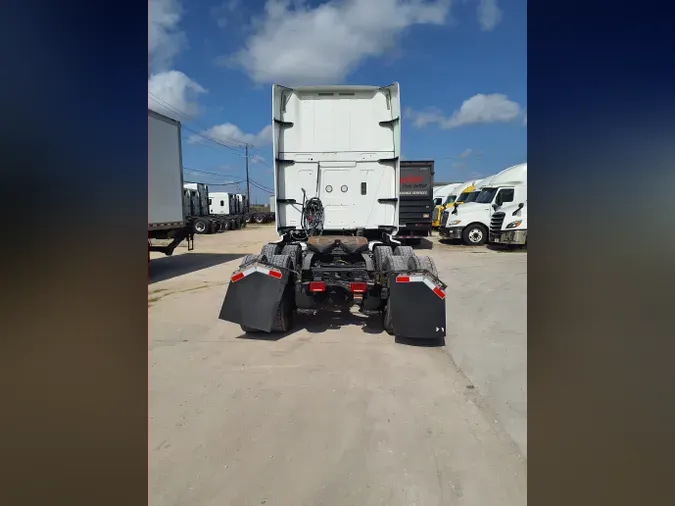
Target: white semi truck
point(509, 225)
point(336, 179)
point(167, 216)
point(471, 221)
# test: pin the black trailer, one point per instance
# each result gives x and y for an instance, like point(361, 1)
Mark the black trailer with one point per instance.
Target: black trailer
point(417, 202)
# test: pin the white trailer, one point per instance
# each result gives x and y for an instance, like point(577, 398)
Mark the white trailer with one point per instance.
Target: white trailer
point(336, 178)
point(166, 213)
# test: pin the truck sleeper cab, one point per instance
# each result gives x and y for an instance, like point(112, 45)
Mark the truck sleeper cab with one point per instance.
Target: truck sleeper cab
point(336, 180)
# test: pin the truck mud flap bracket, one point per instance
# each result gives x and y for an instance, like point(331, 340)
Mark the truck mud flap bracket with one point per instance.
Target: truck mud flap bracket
point(254, 295)
point(417, 303)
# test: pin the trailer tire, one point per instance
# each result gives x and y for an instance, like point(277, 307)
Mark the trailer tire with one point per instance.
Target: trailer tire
point(404, 251)
point(201, 226)
point(382, 256)
point(475, 234)
point(283, 321)
point(268, 252)
point(423, 264)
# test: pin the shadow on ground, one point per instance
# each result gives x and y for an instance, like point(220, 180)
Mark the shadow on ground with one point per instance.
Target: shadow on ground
point(321, 322)
point(504, 248)
point(161, 269)
point(423, 244)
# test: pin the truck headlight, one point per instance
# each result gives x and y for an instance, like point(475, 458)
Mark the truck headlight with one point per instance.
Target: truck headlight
point(454, 222)
point(425, 215)
point(514, 224)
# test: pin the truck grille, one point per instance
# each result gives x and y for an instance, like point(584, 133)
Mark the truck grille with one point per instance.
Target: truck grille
point(444, 218)
point(496, 223)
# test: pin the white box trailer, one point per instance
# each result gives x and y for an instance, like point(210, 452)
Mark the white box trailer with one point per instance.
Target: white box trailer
point(166, 213)
point(336, 178)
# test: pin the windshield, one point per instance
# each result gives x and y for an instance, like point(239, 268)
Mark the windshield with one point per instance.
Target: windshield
point(463, 196)
point(486, 196)
point(438, 201)
point(450, 199)
point(471, 197)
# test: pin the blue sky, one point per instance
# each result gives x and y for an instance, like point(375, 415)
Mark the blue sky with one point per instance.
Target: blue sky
point(461, 64)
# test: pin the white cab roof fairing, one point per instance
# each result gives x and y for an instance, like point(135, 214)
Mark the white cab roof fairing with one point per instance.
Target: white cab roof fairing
point(340, 143)
point(516, 174)
point(444, 191)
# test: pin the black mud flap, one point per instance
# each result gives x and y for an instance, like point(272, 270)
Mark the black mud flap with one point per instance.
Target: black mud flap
point(417, 303)
point(254, 295)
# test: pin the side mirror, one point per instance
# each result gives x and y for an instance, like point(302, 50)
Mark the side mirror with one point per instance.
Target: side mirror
point(521, 205)
point(495, 206)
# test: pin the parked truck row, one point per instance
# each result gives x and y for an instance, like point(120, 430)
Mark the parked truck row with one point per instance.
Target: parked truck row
point(493, 209)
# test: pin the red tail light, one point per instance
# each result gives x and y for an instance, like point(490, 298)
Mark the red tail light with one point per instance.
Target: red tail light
point(317, 286)
point(359, 287)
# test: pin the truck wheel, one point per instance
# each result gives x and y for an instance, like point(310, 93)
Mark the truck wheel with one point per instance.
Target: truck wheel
point(233, 225)
point(201, 226)
point(423, 264)
point(382, 256)
point(475, 235)
point(248, 218)
point(215, 227)
point(398, 264)
point(259, 219)
point(249, 259)
point(283, 320)
point(268, 252)
point(404, 251)
point(388, 323)
point(292, 250)
point(225, 225)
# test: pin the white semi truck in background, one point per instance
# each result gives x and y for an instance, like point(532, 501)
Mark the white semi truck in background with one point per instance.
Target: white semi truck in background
point(471, 221)
point(509, 225)
point(167, 219)
point(336, 178)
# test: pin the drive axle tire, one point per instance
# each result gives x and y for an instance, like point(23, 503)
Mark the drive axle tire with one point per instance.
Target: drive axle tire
point(423, 264)
point(474, 235)
point(269, 251)
point(404, 251)
point(225, 225)
point(394, 264)
point(382, 256)
point(259, 219)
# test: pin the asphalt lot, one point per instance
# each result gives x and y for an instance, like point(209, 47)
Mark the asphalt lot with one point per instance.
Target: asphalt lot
point(336, 413)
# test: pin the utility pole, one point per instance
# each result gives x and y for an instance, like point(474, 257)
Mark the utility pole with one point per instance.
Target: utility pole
point(248, 186)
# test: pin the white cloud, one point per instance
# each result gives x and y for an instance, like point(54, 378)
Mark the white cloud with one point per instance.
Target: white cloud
point(230, 134)
point(165, 39)
point(494, 108)
point(174, 94)
point(489, 14)
point(294, 43)
point(225, 12)
point(466, 153)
